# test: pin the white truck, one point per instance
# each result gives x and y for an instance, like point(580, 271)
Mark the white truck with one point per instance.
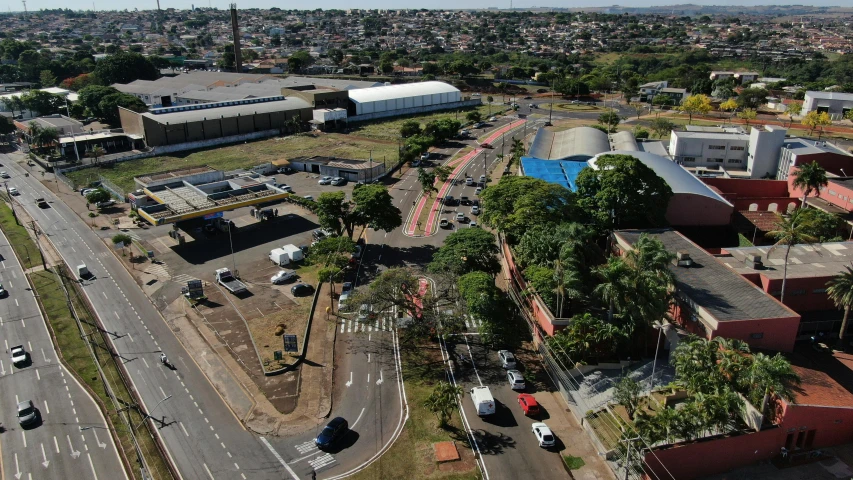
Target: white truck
point(294, 252)
point(279, 256)
point(484, 402)
point(230, 282)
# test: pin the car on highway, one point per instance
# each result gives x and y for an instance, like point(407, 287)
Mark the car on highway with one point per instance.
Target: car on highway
point(87, 191)
point(460, 217)
point(3, 291)
point(476, 94)
point(4, 174)
point(14, 191)
point(548, 124)
point(486, 145)
point(473, 225)
point(529, 405)
point(478, 191)
point(425, 156)
point(464, 133)
point(282, 276)
point(464, 201)
point(331, 433)
point(27, 413)
point(358, 251)
point(515, 379)
point(283, 186)
point(325, 180)
point(533, 105)
point(19, 356)
point(475, 210)
point(507, 359)
point(482, 178)
point(479, 125)
point(445, 223)
point(575, 102)
point(469, 181)
point(346, 287)
point(544, 435)
point(493, 119)
point(301, 290)
point(41, 202)
point(449, 201)
point(338, 181)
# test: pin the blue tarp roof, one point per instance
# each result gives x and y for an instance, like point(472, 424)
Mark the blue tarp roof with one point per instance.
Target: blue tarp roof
point(561, 172)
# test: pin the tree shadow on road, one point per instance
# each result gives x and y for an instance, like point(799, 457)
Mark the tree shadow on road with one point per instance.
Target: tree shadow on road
point(493, 443)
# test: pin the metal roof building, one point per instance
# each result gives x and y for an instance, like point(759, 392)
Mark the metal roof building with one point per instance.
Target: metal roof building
point(392, 99)
point(581, 143)
point(693, 203)
point(561, 172)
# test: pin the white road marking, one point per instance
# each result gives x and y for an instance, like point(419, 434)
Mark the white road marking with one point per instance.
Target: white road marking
point(350, 379)
point(98, 440)
point(74, 453)
point(381, 379)
point(46, 407)
point(56, 444)
point(44, 462)
point(145, 362)
point(17, 469)
point(38, 375)
point(92, 466)
point(184, 429)
point(357, 419)
point(368, 355)
point(280, 460)
point(368, 378)
point(16, 303)
point(24, 436)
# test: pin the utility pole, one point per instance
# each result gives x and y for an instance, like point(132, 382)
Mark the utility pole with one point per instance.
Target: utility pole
point(68, 111)
point(628, 456)
point(38, 244)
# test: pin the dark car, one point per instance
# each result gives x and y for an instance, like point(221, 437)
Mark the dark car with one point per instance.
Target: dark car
point(301, 289)
point(333, 432)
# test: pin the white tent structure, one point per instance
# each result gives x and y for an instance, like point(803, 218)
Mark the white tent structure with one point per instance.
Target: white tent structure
point(390, 98)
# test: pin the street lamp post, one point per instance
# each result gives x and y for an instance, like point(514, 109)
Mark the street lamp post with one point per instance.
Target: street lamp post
point(231, 242)
point(73, 138)
point(148, 415)
point(659, 326)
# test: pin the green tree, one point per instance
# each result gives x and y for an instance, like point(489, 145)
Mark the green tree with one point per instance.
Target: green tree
point(794, 109)
point(96, 153)
point(6, 125)
point(695, 105)
point(43, 137)
point(613, 288)
point(427, 178)
point(789, 231)
point(824, 226)
point(639, 108)
point(516, 151)
point(443, 401)
point(97, 196)
point(729, 105)
point(627, 393)
point(810, 177)
point(44, 103)
point(91, 96)
point(840, 291)
point(662, 126)
point(752, 98)
point(609, 119)
point(483, 300)
point(767, 376)
point(298, 61)
point(125, 67)
point(122, 239)
point(747, 115)
point(474, 116)
point(47, 79)
point(109, 106)
point(517, 203)
point(410, 128)
point(467, 250)
point(815, 120)
point(622, 192)
point(331, 252)
point(373, 206)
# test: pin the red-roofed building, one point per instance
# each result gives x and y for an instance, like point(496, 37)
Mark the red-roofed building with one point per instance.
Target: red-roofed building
point(820, 415)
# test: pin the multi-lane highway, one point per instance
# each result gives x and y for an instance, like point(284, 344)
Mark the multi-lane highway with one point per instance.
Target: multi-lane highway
point(71, 439)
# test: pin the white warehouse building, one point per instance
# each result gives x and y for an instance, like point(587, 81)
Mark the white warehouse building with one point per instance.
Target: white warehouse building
point(404, 99)
point(836, 104)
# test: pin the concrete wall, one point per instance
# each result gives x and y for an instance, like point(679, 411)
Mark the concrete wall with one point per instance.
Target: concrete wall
point(159, 134)
point(683, 147)
point(765, 145)
point(131, 122)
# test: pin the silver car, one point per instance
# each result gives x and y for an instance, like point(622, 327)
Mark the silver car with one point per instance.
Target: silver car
point(27, 413)
point(325, 180)
point(507, 359)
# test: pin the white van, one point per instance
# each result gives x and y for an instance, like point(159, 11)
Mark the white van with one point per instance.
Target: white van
point(483, 401)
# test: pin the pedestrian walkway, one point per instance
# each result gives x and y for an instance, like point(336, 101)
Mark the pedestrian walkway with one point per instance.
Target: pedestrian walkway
point(162, 270)
point(353, 325)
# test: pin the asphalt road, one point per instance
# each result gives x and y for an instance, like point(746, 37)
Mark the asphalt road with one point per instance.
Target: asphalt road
point(56, 447)
point(203, 437)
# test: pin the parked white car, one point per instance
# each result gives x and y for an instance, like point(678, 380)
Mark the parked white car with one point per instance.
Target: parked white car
point(544, 435)
point(325, 180)
point(282, 276)
point(507, 359)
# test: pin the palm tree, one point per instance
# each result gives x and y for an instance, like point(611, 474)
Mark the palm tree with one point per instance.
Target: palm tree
point(810, 177)
point(613, 289)
point(790, 231)
point(96, 153)
point(840, 291)
point(442, 401)
point(517, 151)
point(768, 376)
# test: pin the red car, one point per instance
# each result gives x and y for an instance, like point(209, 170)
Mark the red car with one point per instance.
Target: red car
point(528, 404)
point(486, 145)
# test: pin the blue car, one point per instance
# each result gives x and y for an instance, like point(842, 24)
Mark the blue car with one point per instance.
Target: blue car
point(333, 432)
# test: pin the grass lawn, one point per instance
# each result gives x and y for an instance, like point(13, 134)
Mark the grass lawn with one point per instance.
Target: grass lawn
point(607, 58)
point(77, 356)
point(389, 130)
point(573, 463)
point(606, 428)
point(22, 244)
point(276, 150)
point(411, 456)
point(743, 241)
point(577, 108)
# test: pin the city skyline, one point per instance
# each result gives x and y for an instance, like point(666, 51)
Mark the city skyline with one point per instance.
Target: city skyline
point(35, 5)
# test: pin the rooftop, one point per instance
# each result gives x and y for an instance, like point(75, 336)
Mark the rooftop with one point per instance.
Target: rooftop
point(710, 285)
point(561, 172)
point(802, 146)
point(175, 174)
point(581, 143)
point(830, 95)
point(212, 111)
point(805, 261)
point(337, 162)
point(712, 135)
point(391, 92)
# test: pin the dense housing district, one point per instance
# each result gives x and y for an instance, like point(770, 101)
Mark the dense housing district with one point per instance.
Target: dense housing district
point(605, 243)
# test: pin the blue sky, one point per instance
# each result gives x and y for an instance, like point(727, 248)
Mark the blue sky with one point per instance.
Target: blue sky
point(344, 4)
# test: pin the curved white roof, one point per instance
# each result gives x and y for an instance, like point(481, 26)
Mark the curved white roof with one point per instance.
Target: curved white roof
point(678, 179)
point(579, 143)
point(406, 90)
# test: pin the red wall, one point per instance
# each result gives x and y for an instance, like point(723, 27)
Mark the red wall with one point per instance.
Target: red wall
point(540, 313)
point(832, 425)
point(806, 302)
point(748, 187)
point(687, 210)
point(825, 195)
point(712, 456)
point(778, 333)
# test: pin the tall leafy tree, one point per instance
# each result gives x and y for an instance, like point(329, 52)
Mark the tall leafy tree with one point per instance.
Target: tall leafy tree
point(789, 231)
point(695, 105)
point(109, 106)
point(613, 288)
point(442, 401)
point(125, 67)
point(810, 177)
point(815, 120)
point(622, 192)
point(45, 103)
point(840, 291)
point(467, 250)
point(517, 203)
point(91, 96)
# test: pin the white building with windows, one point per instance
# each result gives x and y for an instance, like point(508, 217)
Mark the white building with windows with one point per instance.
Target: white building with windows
point(710, 147)
point(836, 104)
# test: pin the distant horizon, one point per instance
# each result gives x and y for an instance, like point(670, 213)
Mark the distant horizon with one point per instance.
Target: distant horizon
point(120, 5)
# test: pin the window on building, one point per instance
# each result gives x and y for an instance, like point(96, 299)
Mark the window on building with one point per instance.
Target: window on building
point(715, 160)
point(737, 148)
point(689, 159)
point(734, 160)
point(797, 292)
point(756, 336)
point(716, 147)
point(819, 290)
